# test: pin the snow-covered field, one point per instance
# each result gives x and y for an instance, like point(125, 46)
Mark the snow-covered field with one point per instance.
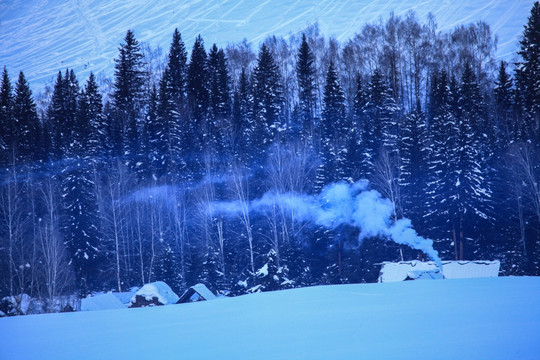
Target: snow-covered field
point(42, 37)
point(489, 318)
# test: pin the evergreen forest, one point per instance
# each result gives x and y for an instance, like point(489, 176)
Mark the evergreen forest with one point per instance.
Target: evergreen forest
point(108, 183)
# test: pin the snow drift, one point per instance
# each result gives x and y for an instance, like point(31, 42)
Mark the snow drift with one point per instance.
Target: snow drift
point(488, 318)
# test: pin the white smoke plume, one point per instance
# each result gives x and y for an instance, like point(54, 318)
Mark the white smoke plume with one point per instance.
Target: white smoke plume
point(342, 204)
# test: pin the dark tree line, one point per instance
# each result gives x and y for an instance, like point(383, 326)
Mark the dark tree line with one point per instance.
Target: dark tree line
point(113, 190)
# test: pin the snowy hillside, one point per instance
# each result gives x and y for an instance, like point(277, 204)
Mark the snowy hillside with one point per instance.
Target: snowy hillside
point(42, 37)
point(495, 318)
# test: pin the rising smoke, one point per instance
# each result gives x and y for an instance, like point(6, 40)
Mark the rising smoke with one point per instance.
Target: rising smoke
point(341, 204)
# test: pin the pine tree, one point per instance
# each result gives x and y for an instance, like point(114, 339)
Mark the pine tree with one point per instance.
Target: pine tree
point(198, 101)
point(443, 139)
point(382, 109)
point(62, 116)
point(168, 143)
point(91, 119)
point(163, 127)
point(176, 71)
point(528, 76)
point(267, 102)
point(211, 274)
point(79, 140)
point(166, 268)
point(460, 208)
point(413, 152)
point(81, 232)
point(219, 98)
point(504, 92)
point(527, 80)
point(56, 114)
point(475, 151)
point(380, 125)
point(271, 276)
point(197, 84)
point(155, 131)
point(26, 123)
point(333, 130)
point(128, 95)
point(76, 129)
point(333, 149)
point(241, 129)
point(6, 118)
point(357, 166)
point(305, 73)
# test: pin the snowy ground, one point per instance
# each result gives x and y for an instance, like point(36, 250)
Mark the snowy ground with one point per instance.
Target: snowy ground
point(42, 37)
point(490, 318)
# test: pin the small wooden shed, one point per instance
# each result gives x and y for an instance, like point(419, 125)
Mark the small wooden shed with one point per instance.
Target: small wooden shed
point(154, 294)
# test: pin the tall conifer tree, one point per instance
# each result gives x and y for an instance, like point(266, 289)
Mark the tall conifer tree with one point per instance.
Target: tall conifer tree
point(267, 101)
point(26, 123)
point(305, 73)
point(6, 118)
point(528, 76)
point(128, 95)
point(333, 129)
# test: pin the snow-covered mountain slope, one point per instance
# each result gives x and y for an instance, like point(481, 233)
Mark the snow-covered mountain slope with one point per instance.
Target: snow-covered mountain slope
point(488, 318)
point(42, 37)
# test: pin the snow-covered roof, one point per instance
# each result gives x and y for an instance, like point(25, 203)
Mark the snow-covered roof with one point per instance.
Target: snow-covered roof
point(398, 271)
point(159, 290)
point(424, 275)
point(197, 292)
point(125, 297)
point(106, 301)
point(204, 291)
point(471, 269)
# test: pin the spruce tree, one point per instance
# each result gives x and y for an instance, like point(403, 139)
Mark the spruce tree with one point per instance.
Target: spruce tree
point(413, 153)
point(166, 268)
point(155, 130)
point(91, 119)
point(198, 100)
point(528, 76)
point(76, 129)
point(333, 146)
point(267, 101)
point(56, 114)
point(271, 276)
point(357, 167)
point(197, 84)
point(80, 142)
point(333, 130)
point(305, 75)
point(62, 116)
point(6, 118)
point(475, 152)
point(26, 123)
point(171, 122)
point(442, 155)
point(460, 207)
point(128, 96)
point(219, 98)
point(380, 125)
point(177, 72)
point(241, 129)
point(503, 94)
